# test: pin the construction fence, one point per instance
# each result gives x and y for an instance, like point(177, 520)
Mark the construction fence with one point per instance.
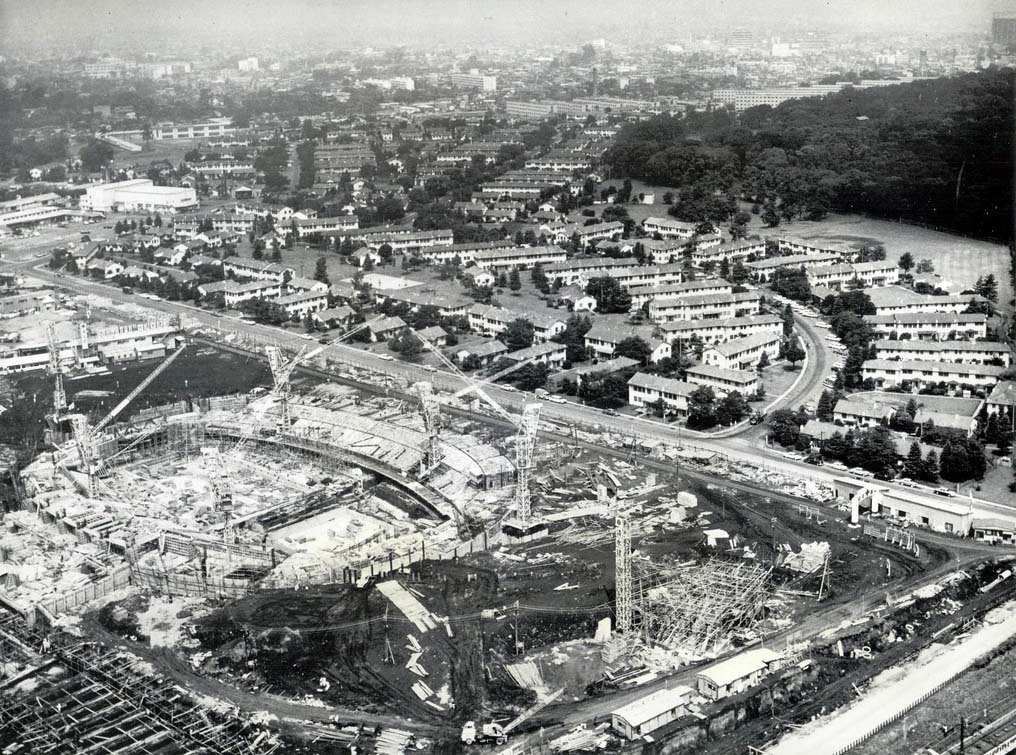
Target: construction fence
point(118, 579)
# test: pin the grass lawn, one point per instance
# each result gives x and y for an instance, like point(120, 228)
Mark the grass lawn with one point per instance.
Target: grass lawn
point(960, 261)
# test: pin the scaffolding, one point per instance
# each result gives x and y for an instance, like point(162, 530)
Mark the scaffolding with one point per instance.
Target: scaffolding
point(694, 608)
point(623, 574)
point(524, 448)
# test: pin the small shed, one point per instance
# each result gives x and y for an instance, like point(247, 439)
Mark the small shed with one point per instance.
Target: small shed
point(649, 713)
point(734, 675)
point(994, 530)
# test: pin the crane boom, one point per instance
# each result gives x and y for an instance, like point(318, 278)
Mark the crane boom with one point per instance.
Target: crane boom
point(134, 394)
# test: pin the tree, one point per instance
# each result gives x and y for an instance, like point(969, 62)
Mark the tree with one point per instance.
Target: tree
point(95, 154)
point(907, 262)
point(826, 404)
point(514, 282)
point(406, 345)
point(258, 252)
point(531, 376)
point(573, 338)
point(321, 271)
point(783, 427)
point(953, 464)
point(385, 252)
point(924, 266)
point(611, 298)
point(739, 225)
point(929, 470)
point(793, 352)
point(788, 321)
point(771, 214)
point(732, 408)
point(763, 361)
point(702, 408)
point(635, 348)
point(913, 467)
point(987, 287)
point(518, 335)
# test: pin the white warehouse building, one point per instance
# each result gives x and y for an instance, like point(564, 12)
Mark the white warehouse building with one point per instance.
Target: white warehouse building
point(139, 194)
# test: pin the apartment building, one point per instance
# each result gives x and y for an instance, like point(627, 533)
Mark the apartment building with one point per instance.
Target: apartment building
point(303, 303)
point(256, 269)
point(487, 320)
point(519, 258)
point(560, 162)
point(233, 293)
point(645, 389)
point(937, 326)
point(721, 330)
point(642, 294)
point(606, 333)
point(743, 353)
point(724, 381)
point(705, 306)
point(862, 413)
point(320, 226)
point(415, 241)
point(562, 233)
point(794, 245)
point(646, 275)
point(224, 168)
point(964, 352)
point(583, 268)
point(480, 82)
point(549, 353)
point(895, 300)
point(669, 228)
point(887, 373)
point(763, 271)
point(495, 191)
point(466, 253)
point(743, 99)
point(709, 249)
point(870, 274)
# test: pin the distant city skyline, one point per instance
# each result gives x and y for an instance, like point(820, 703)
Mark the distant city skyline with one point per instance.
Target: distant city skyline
point(358, 23)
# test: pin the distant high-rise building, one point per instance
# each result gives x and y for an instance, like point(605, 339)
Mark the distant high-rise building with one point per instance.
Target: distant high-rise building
point(1003, 29)
point(474, 80)
point(741, 38)
point(922, 64)
point(248, 64)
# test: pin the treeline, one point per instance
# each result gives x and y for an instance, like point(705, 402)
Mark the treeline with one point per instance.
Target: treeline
point(935, 152)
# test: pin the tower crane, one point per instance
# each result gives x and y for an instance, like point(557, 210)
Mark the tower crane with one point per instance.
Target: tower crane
point(527, 432)
point(431, 410)
point(59, 394)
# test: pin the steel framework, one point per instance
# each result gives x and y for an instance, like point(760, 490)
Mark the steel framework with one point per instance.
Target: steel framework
point(524, 448)
point(624, 613)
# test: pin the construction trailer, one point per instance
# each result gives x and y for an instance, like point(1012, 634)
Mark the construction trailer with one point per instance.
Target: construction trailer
point(734, 675)
point(652, 712)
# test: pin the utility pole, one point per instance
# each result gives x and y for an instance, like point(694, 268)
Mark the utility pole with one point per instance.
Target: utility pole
point(963, 734)
point(825, 574)
point(516, 627)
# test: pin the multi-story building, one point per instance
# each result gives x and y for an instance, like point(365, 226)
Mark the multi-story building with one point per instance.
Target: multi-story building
point(895, 300)
point(224, 168)
point(562, 233)
point(763, 271)
point(211, 129)
point(964, 352)
point(724, 381)
point(519, 258)
point(709, 249)
point(869, 274)
point(549, 353)
point(583, 268)
point(645, 389)
point(669, 228)
point(712, 332)
point(251, 269)
point(492, 321)
point(474, 80)
point(705, 306)
point(640, 275)
point(743, 353)
point(641, 295)
point(887, 373)
point(556, 161)
point(303, 303)
point(606, 333)
point(138, 195)
point(320, 226)
point(743, 99)
point(930, 326)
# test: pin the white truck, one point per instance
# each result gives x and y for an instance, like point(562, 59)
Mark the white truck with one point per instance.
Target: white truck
point(490, 732)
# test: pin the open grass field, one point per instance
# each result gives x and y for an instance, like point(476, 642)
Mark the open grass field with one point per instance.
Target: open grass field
point(960, 261)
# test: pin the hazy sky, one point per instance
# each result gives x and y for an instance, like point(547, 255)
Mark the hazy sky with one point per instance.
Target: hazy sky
point(384, 22)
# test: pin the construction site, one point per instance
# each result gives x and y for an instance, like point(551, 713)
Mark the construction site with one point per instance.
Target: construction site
point(336, 565)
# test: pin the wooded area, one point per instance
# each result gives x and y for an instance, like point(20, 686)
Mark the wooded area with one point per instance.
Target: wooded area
point(936, 152)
